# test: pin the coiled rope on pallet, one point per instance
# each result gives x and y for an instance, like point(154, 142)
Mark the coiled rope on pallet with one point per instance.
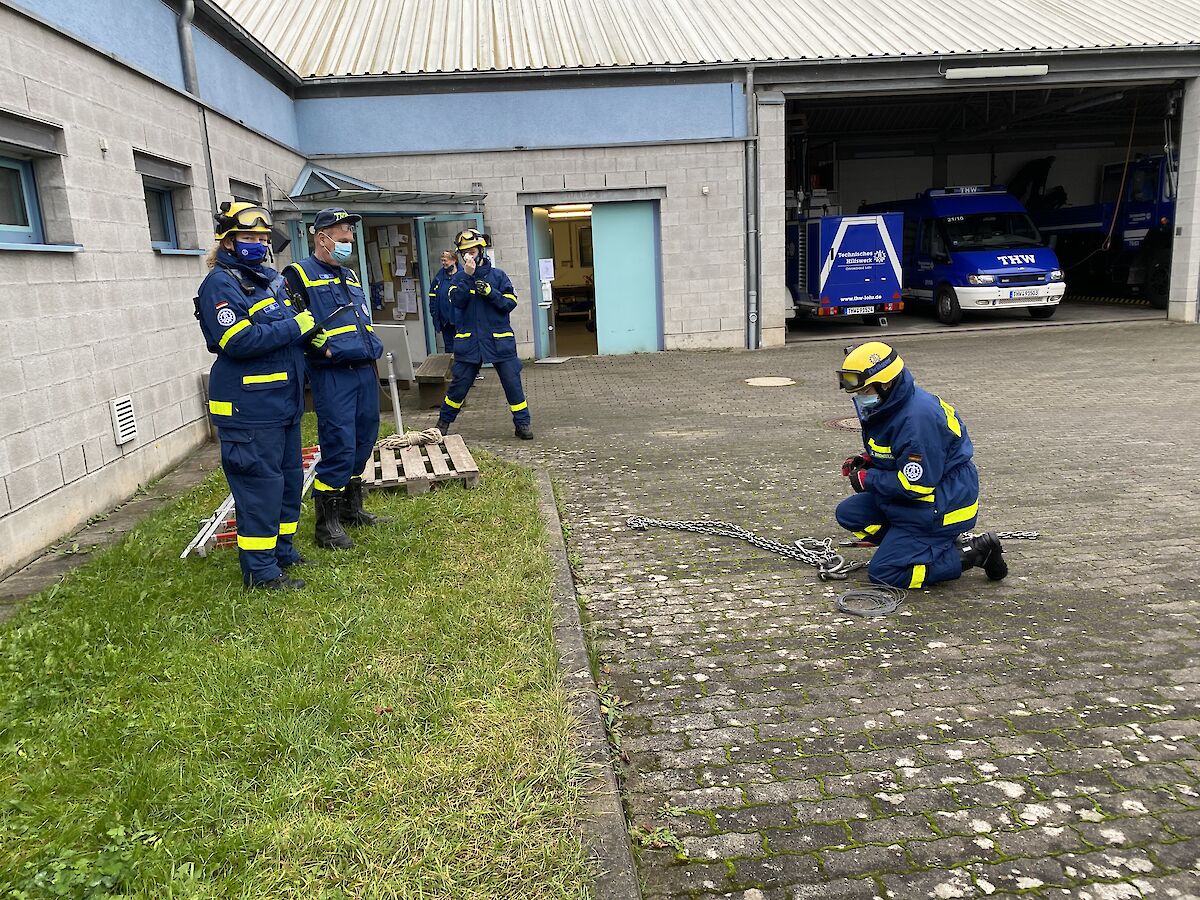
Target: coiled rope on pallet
point(409, 439)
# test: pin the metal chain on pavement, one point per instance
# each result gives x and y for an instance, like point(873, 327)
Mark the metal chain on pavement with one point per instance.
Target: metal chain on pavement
point(830, 565)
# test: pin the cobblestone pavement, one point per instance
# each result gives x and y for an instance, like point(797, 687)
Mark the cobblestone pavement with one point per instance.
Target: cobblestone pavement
point(1038, 736)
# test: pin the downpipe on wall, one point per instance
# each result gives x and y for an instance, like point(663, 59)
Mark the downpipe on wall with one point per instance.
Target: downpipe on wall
point(753, 291)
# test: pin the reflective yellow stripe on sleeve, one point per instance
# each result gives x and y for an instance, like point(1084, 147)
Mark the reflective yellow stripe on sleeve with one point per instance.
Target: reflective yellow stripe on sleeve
point(961, 515)
point(465, 334)
point(918, 577)
point(257, 543)
point(909, 486)
point(232, 331)
point(288, 527)
point(261, 304)
point(345, 329)
point(878, 448)
point(512, 297)
point(220, 408)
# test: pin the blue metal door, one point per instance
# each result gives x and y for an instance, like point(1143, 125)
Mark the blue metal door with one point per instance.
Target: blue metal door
point(625, 248)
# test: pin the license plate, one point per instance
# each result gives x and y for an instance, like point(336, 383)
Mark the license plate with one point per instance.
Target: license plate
point(858, 310)
point(1024, 292)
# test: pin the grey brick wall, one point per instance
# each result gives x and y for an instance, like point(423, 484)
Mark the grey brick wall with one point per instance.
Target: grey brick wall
point(78, 329)
point(771, 141)
point(703, 248)
point(1185, 266)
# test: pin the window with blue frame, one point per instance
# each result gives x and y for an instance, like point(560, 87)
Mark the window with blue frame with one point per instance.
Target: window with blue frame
point(20, 216)
point(160, 212)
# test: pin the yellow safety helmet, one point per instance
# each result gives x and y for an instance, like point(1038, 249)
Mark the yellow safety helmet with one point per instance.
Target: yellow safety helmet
point(871, 363)
point(465, 240)
point(239, 215)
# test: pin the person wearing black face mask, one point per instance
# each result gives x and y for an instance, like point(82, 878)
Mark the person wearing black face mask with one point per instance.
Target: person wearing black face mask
point(256, 392)
point(341, 369)
point(916, 488)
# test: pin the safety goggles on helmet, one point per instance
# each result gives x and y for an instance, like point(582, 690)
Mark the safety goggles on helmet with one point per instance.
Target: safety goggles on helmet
point(854, 379)
point(465, 240)
point(242, 216)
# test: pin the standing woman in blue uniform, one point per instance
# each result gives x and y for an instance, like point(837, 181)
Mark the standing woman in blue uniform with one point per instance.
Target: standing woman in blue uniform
point(256, 392)
point(916, 486)
point(341, 369)
point(483, 296)
point(440, 309)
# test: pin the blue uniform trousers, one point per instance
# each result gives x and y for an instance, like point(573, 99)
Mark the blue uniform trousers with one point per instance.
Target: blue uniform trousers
point(265, 475)
point(448, 337)
point(463, 377)
point(346, 400)
point(906, 558)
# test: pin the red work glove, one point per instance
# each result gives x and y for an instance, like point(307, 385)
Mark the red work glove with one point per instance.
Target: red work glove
point(858, 480)
point(855, 462)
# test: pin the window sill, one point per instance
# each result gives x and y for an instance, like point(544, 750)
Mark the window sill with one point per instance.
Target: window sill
point(173, 251)
point(43, 248)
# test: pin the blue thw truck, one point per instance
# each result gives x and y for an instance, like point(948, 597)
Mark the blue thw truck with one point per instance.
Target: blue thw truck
point(1124, 241)
point(845, 265)
point(975, 247)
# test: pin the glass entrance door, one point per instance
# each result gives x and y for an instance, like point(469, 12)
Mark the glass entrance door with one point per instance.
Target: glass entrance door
point(435, 234)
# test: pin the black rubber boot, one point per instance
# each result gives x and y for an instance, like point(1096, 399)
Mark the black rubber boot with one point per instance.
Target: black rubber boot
point(352, 511)
point(524, 432)
point(282, 583)
point(985, 550)
point(443, 426)
point(330, 533)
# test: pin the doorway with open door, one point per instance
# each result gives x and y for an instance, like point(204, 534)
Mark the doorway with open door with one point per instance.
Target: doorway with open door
point(595, 268)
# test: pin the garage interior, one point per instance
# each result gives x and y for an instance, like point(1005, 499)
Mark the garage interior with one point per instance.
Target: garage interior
point(1050, 147)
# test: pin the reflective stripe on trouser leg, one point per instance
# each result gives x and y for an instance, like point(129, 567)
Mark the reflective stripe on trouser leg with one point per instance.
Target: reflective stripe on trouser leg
point(462, 378)
point(335, 399)
point(293, 485)
point(509, 371)
point(863, 517)
point(908, 560)
point(252, 461)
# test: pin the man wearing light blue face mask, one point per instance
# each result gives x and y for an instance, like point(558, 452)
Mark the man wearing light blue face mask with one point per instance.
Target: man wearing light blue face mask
point(916, 488)
point(341, 369)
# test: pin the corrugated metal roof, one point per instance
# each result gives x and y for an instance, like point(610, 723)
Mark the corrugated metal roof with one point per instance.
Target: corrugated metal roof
point(333, 38)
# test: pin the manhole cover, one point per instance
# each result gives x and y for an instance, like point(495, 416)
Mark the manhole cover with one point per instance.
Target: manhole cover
point(850, 423)
point(770, 381)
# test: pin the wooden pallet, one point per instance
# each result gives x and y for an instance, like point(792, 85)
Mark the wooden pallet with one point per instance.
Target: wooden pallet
point(419, 468)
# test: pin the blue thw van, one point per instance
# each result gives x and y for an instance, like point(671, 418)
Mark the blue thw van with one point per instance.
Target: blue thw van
point(975, 248)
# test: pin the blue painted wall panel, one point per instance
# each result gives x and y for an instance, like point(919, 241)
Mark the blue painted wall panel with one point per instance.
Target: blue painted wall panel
point(534, 118)
point(143, 34)
point(241, 93)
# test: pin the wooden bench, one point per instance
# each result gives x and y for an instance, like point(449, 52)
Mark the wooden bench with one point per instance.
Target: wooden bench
point(432, 376)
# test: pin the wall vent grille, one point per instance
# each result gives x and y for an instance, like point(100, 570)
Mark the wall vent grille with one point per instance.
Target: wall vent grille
point(123, 420)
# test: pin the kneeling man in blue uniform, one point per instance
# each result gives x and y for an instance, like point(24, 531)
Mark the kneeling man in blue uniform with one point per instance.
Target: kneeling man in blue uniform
point(341, 370)
point(483, 296)
point(916, 486)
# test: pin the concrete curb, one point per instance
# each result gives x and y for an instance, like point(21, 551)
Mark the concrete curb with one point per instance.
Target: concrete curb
point(605, 836)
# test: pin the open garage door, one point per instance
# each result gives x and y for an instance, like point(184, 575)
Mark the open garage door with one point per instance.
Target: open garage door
point(1013, 199)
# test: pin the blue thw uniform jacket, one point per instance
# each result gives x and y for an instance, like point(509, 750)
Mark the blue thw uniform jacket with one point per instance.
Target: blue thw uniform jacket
point(335, 297)
point(440, 309)
point(257, 379)
point(921, 468)
point(485, 332)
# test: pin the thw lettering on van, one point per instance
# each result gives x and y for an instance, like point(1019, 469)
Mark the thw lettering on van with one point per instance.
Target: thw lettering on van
point(1018, 259)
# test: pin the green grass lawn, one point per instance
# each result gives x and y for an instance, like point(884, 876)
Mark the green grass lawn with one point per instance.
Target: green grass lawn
point(396, 729)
